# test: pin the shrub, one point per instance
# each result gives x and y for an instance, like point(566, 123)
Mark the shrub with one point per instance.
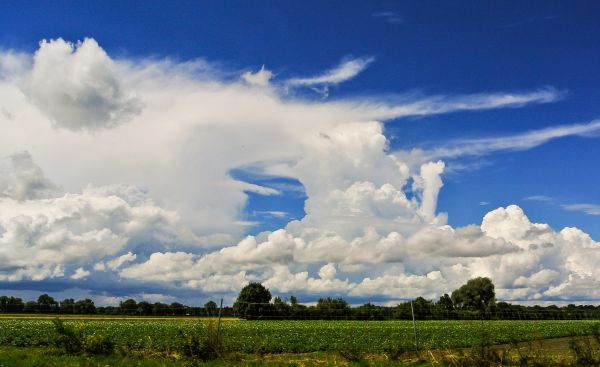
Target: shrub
point(206, 345)
point(74, 339)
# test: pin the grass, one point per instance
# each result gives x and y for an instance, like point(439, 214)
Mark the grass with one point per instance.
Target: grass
point(50, 357)
point(553, 352)
point(296, 343)
point(298, 336)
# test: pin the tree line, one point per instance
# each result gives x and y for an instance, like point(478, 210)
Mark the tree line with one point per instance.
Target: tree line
point(46, 304)
point(474, 300)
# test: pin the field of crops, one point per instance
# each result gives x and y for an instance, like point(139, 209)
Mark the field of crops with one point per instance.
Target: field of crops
point(300, 336)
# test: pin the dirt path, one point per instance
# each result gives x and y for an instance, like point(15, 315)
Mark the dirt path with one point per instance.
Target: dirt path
point(112, 318)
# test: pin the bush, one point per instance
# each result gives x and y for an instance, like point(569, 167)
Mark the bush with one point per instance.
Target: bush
point(352, 353)
point(206, 345)
point(74, 339)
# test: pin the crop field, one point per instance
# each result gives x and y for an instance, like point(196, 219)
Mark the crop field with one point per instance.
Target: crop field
point(300, 336)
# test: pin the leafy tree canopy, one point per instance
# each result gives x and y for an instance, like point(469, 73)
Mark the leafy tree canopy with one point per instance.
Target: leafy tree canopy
point(477, 294)
point(252, 295)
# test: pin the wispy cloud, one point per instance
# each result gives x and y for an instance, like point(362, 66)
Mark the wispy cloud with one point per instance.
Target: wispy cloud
point(534, 19)
point(470, 102)
point(591, 209)
point(517, 142)
point(346, 70)
point(541, 198)
point(389, 16)
point(271, 213)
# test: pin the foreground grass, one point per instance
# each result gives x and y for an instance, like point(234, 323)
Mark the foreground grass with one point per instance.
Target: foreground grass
point(51, 357)
point(549, 353)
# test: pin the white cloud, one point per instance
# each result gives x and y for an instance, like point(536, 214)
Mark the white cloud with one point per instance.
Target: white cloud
point(13, 64)
point(346, 70)
point(80, 273)
point(260, 78)
point(77, 86)
point(116, 263)
point(526, 260)
point(39, 236)
point(591, 209)
point(542, 198)
point(389, 16)
point(484, 146)
point(272, 213)
point(328, 271)
point(22, 179)
point(470, 102)
point(177, 219)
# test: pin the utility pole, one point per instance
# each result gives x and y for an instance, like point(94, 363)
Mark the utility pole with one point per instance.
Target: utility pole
point(414, 326)
point(219, 322)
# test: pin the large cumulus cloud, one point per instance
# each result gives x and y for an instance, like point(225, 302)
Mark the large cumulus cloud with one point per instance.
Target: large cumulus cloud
point(77, 86)
point(135, 184)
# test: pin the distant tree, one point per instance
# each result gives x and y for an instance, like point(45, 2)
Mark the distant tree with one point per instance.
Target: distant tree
point(144, 308)
point(368, 311)
point(67, 306)
point(160, 309)
point(297, 310)
point(253, 301)
point(46, 304)
point(445, 303)
point(177, 308)
point(477, 294)
point(3, 303)
point(85, 306)
point(11, 304)
point(282, 309)
point(211, 308)
point(422, 308)
point(128, 307)
point(30, 306)
point(332, 308)
point(402, 311)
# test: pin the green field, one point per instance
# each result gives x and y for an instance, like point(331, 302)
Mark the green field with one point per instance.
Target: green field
point(300, 336)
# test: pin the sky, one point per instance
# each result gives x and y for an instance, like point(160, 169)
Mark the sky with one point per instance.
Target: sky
point(377, 151)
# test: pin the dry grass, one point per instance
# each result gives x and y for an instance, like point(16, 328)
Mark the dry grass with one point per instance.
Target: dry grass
point(110, 317)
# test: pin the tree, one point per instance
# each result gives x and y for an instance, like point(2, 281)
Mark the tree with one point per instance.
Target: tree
point(282, 308)
point(85, 306)
point(477, 294)
point(445, 303)
point(332, 308)
point(177, 308)
point(128, 307)
point(252, 301)
point(46, 304)
point(66, 305)
point(368, 311)
point(144, 308)
point(422, 308)
point(11, 304)
point(160, 308)
point(444, 308)
point(211, 308)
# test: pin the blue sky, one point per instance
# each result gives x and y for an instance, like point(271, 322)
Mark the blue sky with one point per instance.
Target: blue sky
point(408, 52)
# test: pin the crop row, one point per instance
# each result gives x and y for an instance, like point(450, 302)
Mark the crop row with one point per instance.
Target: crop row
point(301, 336)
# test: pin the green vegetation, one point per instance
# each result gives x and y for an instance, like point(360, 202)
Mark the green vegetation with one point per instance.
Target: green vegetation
point(475, 300)
point(285, 336)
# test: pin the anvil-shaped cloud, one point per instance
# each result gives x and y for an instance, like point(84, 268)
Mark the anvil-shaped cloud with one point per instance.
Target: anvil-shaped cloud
point(120, 170)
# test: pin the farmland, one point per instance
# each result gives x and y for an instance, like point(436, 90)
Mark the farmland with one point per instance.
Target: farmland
point(296, 336)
